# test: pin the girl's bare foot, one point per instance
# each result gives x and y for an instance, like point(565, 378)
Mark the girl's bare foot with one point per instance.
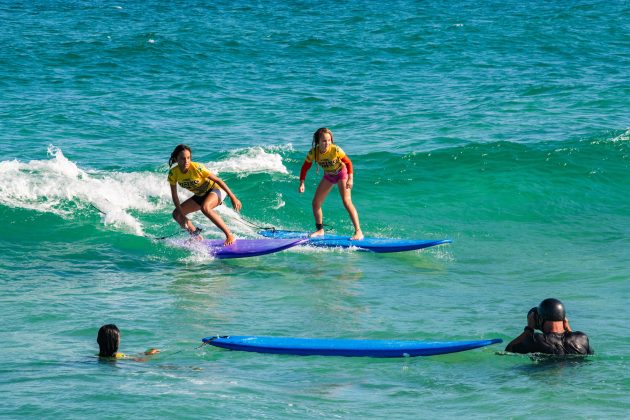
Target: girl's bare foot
point(358, 235)
point(319, 232)
point(229, 240)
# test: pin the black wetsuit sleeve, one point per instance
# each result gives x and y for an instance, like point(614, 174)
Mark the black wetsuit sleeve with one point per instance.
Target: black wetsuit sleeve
point(524, 346)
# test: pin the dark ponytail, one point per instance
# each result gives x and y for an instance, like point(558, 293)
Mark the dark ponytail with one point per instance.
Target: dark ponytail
point(178, 149)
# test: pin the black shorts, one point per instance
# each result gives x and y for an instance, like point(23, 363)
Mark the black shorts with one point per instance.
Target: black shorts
point(199, 199)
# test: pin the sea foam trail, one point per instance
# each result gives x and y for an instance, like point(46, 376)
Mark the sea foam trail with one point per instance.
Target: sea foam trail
point(250, 161)
point(623, 137)
point(59, 186)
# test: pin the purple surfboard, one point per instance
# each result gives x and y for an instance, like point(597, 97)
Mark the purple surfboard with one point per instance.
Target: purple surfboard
point(241, 248)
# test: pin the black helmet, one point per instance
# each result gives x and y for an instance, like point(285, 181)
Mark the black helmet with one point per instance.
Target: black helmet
point(551, 310)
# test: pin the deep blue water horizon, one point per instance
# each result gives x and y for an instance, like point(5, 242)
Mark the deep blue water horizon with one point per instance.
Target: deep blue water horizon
point(503, 126)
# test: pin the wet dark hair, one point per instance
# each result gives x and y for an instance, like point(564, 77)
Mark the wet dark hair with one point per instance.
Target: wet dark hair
point(178, 149)
point(316, 135)
point(108, 339)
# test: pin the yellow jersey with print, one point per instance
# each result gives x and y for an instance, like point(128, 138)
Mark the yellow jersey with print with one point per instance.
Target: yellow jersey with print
point(329, 161)
point(195, 180)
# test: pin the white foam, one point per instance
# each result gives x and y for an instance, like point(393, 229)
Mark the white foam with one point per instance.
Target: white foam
point(250, 160)
point(279, 201)
point(623, 137)
point(198, 251)
point(288, 147)
point(310, 249)
point(50, 185)
point(59, 186)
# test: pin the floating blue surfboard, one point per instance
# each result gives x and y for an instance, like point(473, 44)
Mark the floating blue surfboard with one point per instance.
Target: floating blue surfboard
point(241, 248)
point(370, 244)
point(344, 347)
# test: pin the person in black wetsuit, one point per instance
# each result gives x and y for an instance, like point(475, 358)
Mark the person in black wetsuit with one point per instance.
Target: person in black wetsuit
point(556, 337)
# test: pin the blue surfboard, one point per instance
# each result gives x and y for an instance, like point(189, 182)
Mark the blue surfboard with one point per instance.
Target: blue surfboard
point(370, 244)
point(241, 248)
point(343, 347)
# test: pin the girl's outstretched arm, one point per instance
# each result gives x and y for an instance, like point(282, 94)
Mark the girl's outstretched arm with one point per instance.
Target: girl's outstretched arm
point(235, 201)
point(146, 355)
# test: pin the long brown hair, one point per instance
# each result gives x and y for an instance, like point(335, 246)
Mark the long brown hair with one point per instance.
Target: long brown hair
point(178, 149)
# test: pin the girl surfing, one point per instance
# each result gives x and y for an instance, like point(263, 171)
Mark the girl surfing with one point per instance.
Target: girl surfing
point(209, 192)
point(337, 170)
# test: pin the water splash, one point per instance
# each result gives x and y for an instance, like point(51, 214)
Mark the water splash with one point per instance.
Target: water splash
point(250, 161)
point(623, 137)
point(60, 187)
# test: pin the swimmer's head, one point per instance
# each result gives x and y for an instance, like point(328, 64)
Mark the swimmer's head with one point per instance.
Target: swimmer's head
point(550, 310)
point(108, 340)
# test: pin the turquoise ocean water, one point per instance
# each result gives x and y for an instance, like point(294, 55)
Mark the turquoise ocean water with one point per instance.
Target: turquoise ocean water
point(501, 125)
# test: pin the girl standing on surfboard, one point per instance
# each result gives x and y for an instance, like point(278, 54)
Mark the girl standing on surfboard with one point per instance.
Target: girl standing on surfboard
point(337, 170)
point(209, 192)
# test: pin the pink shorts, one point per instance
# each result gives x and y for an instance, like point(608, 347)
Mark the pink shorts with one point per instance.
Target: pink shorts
point(333, 179)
